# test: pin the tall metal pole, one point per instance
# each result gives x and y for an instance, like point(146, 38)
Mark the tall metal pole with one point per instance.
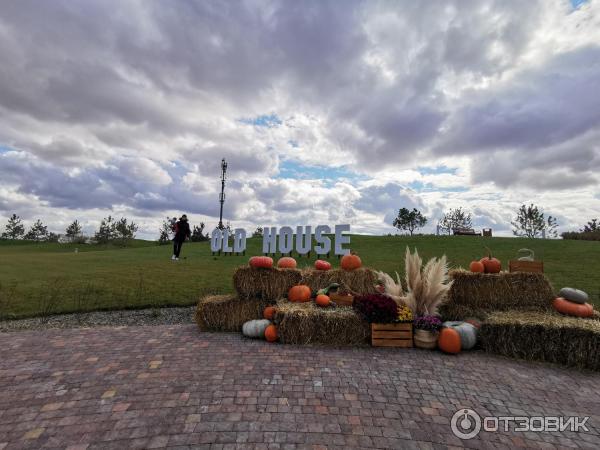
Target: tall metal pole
point(222, 196)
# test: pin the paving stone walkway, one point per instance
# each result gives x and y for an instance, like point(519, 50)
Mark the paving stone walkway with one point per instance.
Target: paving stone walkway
point(173, 386)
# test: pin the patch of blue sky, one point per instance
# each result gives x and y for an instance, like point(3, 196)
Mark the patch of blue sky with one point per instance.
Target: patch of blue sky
point(294, 144)
point(329, 175)
point(419, 186)
point(4, 149)
point(265, 120)
point(577, 3)
point(437, 170)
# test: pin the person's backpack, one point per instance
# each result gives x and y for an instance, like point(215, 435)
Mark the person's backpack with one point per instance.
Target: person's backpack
point(174, 227)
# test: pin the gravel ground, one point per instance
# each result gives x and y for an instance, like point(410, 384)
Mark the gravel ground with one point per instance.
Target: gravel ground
point(156, 316)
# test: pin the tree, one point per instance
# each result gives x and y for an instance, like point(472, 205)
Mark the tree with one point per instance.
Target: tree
point(124, 231)
point(74, 230)
point(198, 233)
point(455, 219)
point(258, 232)
point(106, 232)
point(37, 232)
point(14, 228)
point(164, 230)
point(591, 227)
point(409, 220)
point(530, 222)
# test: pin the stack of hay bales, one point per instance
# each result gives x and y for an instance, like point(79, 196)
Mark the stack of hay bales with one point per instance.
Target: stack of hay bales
point(306, 323)
point(543, 336)
point(479, 294)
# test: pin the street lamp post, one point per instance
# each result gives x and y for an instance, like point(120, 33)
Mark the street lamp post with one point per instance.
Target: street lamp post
point(222, 196)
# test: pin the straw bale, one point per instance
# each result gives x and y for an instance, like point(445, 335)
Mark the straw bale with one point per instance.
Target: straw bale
point(227, 312)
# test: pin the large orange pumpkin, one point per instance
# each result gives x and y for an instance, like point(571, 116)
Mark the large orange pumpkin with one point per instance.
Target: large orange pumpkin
point(449, 340)
point(492, 265)
point(271, 333)
point(323, 300)
point(564, 306)
point(261, 261)
point(269, 312)
point(477, 267)
point(350, 262)
point(287, 262)
point(322, 265)
point(300, 293)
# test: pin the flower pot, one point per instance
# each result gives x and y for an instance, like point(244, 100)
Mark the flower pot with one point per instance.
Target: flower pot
point(425, 339)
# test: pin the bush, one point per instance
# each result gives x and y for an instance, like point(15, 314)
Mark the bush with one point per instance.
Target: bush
point(377, 308)
point(582, 235)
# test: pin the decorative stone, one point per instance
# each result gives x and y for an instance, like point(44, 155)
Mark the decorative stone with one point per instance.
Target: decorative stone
point(573, 295)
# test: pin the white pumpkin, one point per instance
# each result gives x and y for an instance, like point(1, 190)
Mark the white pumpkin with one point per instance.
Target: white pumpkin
point(467, 333)
point(255, 328)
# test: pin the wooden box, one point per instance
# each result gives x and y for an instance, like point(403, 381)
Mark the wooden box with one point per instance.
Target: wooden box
point(342, 300)
point(391, 335)
point(514, 265)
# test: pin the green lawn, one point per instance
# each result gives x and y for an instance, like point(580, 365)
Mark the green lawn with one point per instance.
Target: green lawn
point(51, 278)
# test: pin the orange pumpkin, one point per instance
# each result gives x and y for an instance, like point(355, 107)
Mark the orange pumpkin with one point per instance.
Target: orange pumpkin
point(269, 312)
point(350, 262)
point(286, 262)
point(491, 265)
point(323, 300)
point(300, 293)
point(265, 262)
point(449, 340)
point(477, 267)
point(271, 333)
point(322, 265)
point(573, 309)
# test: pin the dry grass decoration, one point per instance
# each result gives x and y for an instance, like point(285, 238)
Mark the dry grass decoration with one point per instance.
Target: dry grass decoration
point(227, 312)
point(478, 294)
point(543, 336)
point(306, 323)
point(427, 287)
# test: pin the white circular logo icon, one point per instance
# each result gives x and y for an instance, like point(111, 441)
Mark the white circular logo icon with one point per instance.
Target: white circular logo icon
point(466, 424)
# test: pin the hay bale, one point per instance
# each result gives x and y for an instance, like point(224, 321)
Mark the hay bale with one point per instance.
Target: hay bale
point(267, 284)
point(306, 323)
point(478, 294)
point(227, 312)
point(539, 336)
point(359, 281)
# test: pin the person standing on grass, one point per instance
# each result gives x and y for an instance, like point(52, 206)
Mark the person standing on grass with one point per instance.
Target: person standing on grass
point(183, 232)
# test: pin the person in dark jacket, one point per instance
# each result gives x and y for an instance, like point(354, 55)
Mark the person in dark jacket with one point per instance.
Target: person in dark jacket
point(183, 233)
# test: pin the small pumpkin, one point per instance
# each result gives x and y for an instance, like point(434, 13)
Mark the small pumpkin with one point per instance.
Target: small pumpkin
point(477, 267)
point(449, 340)
point(565, 306)
point(269, 312)
point(271, 333)
point(322, 265)
point(300, 293)
point(467, 333)
point(323, 301)
point(287, 262)
point(265, 262)
point(491, 265)
point(255, 328)
point(350, 262)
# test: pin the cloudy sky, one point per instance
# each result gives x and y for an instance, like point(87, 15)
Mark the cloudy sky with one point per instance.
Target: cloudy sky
point(327, 111)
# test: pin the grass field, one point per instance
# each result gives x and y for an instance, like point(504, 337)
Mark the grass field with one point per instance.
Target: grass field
point(40, 279)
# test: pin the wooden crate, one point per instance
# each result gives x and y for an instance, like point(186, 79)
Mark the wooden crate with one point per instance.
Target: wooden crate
point(514, 265)
point(391, 335)
point(342, 300)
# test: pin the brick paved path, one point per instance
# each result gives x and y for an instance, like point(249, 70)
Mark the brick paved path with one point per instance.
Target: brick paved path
point(151, 387)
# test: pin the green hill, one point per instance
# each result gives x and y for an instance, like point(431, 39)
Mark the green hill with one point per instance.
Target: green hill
point(50, 278)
